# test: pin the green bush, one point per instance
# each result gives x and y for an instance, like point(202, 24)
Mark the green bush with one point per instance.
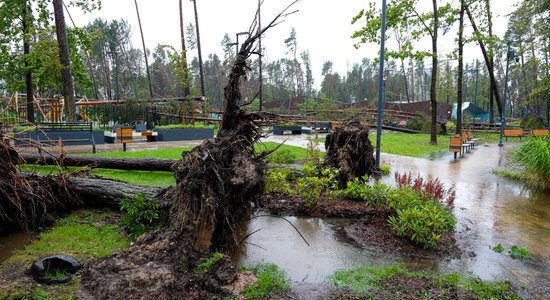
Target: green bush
point(278, 181)
point(534, 155)
point(142, 215)
point(283, 156)
point(533, 123)
point(358, 190)
point(521, 253)
point(310, 187)
point(423, 224)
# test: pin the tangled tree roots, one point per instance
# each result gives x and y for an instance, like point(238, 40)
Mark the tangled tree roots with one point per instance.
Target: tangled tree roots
point(350, 150)
point(216, 183)
point(26, 202)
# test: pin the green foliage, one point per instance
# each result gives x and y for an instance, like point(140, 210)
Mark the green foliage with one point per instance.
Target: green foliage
point(532, 122)
point(282, 156)
point(278, 181)
point(370, 279)
point(181, 126)
point(39, 294)
point(271, 280)
point(386, 170)
point(521, 253)
point(373, 195)
point(423, 224)
point(207, 264)
point(142, 215)
point(498, 248)
point(534, 155)
point(313, 151)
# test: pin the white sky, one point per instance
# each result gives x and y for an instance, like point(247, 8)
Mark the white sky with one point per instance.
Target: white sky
point(322, 26)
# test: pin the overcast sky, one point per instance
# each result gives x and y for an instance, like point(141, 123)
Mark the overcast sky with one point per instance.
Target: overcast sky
point(322, 26)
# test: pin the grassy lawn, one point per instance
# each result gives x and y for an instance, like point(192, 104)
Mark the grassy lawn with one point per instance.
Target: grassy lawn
point(415, 145)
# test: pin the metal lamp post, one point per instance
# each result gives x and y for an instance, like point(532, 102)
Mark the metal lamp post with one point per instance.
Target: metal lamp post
point(380, 86)
point(509, 54)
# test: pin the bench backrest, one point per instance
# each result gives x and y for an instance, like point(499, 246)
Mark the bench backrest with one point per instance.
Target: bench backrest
point(513, 132)
point(539, 132)
point(455, 144)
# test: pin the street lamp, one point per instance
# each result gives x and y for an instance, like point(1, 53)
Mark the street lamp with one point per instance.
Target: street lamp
point(380, 86)
point(509, 54)
point(237, 34)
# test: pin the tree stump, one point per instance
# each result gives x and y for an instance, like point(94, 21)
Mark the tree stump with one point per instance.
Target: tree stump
point(350, 150)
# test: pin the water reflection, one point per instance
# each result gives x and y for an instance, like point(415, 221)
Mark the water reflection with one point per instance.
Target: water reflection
point(13, 241)
point(490, 210)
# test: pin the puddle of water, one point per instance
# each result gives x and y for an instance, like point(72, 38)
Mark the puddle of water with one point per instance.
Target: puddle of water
point(490, 210)
point(13, 241)
point(277, 242)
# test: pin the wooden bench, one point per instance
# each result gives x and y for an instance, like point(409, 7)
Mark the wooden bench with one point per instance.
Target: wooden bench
point(539, 132)
point(66, 132)
point(455, 145)
point(466, 145)
point(471, 138)
point(513, 133)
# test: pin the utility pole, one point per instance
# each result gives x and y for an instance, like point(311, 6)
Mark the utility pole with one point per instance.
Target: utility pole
point(199, 47)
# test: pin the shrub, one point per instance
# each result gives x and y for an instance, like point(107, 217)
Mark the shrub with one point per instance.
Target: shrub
point(534, 155)
point(142, 215)
point(423, 224)
point(430, 188)
point(310, 187)
point(278, 181)
point(521, 253)
point(357, 189)
point(282, 156)
point(533, 123)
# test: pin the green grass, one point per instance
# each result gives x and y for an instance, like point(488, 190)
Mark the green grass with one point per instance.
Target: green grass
point(74, 237)
point(164, 153)
point(370, 279)
point(415, 145)
point(85, 234)
point(271, 280)
point(534, 155)
point(511, 174)
point(207, 264)
point(147, 178)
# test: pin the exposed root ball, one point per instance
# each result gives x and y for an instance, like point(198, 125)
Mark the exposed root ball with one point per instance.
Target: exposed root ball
point(25, 202)
point(350, 150)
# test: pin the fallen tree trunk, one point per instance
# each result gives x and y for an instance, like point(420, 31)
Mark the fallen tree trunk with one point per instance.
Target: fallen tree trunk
point(97, 192)
point(147, 164)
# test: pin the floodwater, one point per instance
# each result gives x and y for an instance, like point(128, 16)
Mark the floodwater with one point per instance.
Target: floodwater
point(13, 241)
point(490, 210)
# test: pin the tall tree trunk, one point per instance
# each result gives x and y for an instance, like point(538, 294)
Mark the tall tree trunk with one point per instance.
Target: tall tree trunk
point(433, 90)
point(493, 91)
point(26, 52)
point(144, 51)
point(458, 129)
point(487, 62)
point(201, 71)
point(61, 30)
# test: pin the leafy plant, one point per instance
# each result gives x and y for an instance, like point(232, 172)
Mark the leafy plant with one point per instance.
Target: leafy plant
point(313, 151)
point(385, 169)
point(534, 155)
point(283, 156)
point(271, 279)
point(310, 188)
point(498, 248)
point(142, 215)
point(521, 253)
point(207, 264)
point(278, 181)
point(431, 188)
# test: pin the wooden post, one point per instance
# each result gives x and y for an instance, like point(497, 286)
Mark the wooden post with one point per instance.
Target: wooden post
point(124, 135)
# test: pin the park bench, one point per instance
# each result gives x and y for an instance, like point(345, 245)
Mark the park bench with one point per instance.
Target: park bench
point(471, 138)
point(459, 144)
point(66, 132)
point(539, 132)
point(513, 133)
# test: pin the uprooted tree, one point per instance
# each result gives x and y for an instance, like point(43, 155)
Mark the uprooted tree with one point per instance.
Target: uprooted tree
point(350, 150)
point(216, 183)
